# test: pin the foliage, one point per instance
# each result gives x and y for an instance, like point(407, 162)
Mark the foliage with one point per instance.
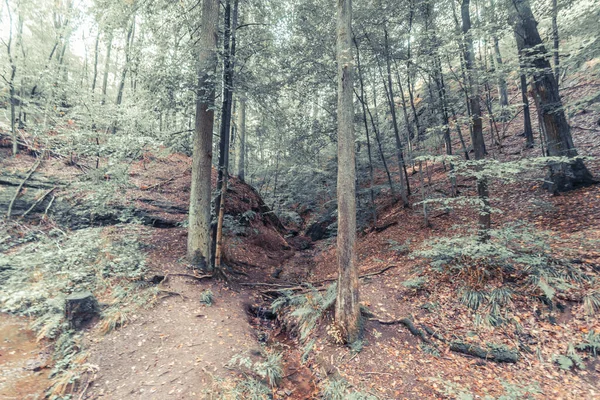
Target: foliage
point(569, 360)
point(340, 389)
point(270, 370)
point(415, 283)
point(591, 343)
point(207, 297)
point(305, 310)
point(515, 259)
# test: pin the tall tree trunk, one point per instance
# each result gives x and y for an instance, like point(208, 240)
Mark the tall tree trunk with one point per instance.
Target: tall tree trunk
point(562, 176)
point(528, 131)
point(363, 99)
point(11, 83)
point(95, 76)
point(555, 40)
point(392, 105)
point(375, 125)
point(409, 130)
point(129, 40)
point(230, 22)
point(347, 307)
point(241, 140)
point(106, 65)
point(199, 233)
point(477, 135)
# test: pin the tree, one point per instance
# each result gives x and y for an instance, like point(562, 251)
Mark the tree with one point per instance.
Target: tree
point(241, 140)
point(347, 308)
point(475, 109)
point(199, 235)
point(563, 176)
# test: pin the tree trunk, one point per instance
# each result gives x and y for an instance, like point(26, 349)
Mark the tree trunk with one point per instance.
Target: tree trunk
point(129, 40)
point(562, 176)
point(347, 307)
point(106, 65)
point(95, 76)
point(199, 234)
point(528, 131)
point(555, 40)
point(392, 105)
point(477, 132)
point(230, 22)
point(241, 140)
point(363, 99)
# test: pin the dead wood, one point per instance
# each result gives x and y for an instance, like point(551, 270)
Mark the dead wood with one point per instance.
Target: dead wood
point(496, 353)
point(12, 201)
point(384, 227)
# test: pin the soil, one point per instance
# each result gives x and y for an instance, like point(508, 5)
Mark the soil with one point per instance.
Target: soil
point(23, 361)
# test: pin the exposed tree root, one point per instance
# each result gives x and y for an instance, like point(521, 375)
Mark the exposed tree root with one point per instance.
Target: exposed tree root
point(408, 324)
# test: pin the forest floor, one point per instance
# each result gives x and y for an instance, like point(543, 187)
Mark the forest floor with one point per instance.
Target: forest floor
point(181, 348)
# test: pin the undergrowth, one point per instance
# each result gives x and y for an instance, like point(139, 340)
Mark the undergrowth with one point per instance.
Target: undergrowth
point(302, 311)
point(36, 277)
point(516, 260)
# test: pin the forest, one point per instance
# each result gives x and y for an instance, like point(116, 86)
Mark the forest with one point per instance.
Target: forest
point(297, 199)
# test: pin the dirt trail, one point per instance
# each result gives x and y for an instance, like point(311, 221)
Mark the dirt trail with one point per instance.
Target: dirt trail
point(23, 375)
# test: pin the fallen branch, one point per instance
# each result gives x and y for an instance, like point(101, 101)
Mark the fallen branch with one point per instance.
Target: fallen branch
point(197, 277)
point(407, 323)
point(38, 201)
point(384, 227)
point(160, 183)
point(496, 354)
point(168, 293)
point(31, 171)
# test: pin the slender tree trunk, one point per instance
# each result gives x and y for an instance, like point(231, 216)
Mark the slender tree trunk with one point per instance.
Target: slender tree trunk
point(129, 40)
point(106, 66)
point(241, 140)
point(230, 22)
point(563, 176)
point(363, 99)
point(409, 130)
point(95, 76)
point(199, 234)
point(555, 41)
point(347, 307)
point(477, 135)
point(375, 125)
point(11, 83)
point(528, 131)
point(390, 93)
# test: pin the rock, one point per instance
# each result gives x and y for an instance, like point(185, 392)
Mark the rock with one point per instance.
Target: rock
point(34, 365)
point(321, 229)
point(80, 308)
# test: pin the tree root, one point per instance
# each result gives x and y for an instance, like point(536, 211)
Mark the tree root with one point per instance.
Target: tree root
point(408, 324)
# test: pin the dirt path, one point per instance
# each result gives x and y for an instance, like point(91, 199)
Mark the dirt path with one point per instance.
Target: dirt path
point(22, 361)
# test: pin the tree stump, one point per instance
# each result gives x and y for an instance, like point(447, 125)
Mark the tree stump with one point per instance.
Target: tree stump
point(80, 308)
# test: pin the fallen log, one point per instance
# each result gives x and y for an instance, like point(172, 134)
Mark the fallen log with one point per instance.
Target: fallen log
point(499, 354)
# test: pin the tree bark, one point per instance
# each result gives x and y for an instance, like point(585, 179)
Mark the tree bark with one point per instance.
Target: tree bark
point(347, 308)
point(241, 140)
point(563, 176)
point(199, 235)
point(95, 76)
point(477, 131)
